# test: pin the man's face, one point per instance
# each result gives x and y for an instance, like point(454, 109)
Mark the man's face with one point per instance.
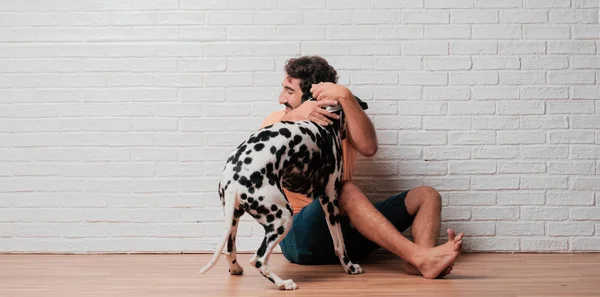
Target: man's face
point(291, 95)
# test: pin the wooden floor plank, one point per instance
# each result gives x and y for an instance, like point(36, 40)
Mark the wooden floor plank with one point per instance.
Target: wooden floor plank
point(488, 275)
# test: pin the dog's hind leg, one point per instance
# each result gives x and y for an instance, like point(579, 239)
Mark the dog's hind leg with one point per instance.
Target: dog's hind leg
point(277, 222)
point(230, 252)
point(329, 202)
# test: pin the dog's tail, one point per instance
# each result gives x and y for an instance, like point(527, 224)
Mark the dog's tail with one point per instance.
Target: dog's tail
point(228, 208)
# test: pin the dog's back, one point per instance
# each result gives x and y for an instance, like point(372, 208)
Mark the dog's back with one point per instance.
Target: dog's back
point(299, 155)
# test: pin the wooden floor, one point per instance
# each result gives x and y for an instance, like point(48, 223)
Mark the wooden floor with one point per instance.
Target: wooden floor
point(478, 275)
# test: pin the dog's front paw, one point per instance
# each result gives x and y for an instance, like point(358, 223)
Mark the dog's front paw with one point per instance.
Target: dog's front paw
point(287, 284)
point(354, 269)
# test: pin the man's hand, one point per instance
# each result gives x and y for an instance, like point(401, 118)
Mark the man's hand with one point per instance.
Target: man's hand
point(312, 111)
point(330, 91)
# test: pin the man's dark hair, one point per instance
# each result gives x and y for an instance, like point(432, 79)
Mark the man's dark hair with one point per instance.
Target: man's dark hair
point(310, 70)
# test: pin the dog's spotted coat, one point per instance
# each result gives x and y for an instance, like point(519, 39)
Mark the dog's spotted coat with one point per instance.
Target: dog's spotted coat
point(302, 157)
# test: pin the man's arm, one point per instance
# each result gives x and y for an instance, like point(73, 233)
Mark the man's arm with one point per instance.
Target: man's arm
point(360, 128)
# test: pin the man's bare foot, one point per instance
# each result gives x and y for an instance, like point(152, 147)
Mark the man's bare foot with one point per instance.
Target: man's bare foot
point(436, 262)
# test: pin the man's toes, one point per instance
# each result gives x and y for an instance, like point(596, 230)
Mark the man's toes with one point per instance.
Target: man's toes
point(451, 234)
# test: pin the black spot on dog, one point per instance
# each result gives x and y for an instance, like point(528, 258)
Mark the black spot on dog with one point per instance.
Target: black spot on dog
point(250, 199)
point(273, 149)
point(236, 176)
point(285, 132)
point(229, 244)
point(273, 237)
point(243, 196)
point(271, 279)
point(258, 264)
point(279, 214)
point(234, 261)
point(332, 219)
point(261, 250)
point(260, 198)
point(258, 147)
point(280, 230)
point(257, 179)
point(262, 210)
point(270, 218)
point(248, 152)
point(248, 160)
point(274, 207)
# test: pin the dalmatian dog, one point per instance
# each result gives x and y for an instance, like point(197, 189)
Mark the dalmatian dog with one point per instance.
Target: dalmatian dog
point(301, 156)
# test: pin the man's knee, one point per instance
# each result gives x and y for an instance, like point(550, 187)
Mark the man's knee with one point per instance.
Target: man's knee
point(423, 196)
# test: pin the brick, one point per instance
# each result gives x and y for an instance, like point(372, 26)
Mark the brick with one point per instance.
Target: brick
point(546, 32)
point(472, 138)
point(575, 107)
point(398, 4)
point(521, 167)
point(445, 4)
point(472, 167)
point(227, 49)
point(584, 183)
point(493, 63)
point(472, 47)
point(422, 168)
point(471, 108)
point(422, 138)
point(544, 182)
point(474, 78)
point(570, 229)
point(400, 32)
point(426, 17)
point(494, 92)
point(379, 49)
point(474, 17)
point(546, 152)
point(349, 32)
point(523, 16)
point(569, 198)
point(522, 77)
point(571, 136)
point(522, 197)
point(586, 31)
point(520, 108)
point(376, 16)
point(546, 3)
point(471, 228)
point(495, 123)
point(585, 3)
point(424, 48)
point(447, 63)
point(548, 62)
point(521, 47)
point(571, 47)
point(398, 63)
point(480, 213)
point(574, 16)
point(584, 62)
point(585, 121)
point(585, 244)
point(446, 93)
point(374, 77)
point(181, 18)
point(495, 183)
point(456, 213)
point(228, 18)
point(533, 244)
point(422, 78)
point(257, 32)
point(585, 213)
point(448, 183)
point(497, 32)
point(446, 153)
point(326, 17)
point(398, 153)
point(571, 77)
point(202, 65)
point(275, 49)
point(492, 244)
point(520, 228)
point(546, 93)
point(447, 32)
point(499, 3)
point(396, 123)
point(544, 122)
point(458, 198)
point(544, 213)
point(446, 123)
point(404, 93)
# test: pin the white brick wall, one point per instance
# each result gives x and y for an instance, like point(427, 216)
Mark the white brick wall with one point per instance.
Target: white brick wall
point(116, 116)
